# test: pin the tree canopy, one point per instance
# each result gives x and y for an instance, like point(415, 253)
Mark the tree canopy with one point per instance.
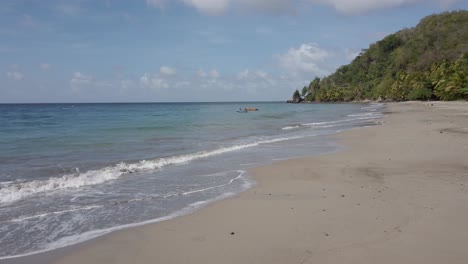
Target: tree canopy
point(429, 61)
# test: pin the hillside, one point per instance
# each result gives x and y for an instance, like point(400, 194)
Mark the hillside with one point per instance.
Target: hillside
point(429, 61)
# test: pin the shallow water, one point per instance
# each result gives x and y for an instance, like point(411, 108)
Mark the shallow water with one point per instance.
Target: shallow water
point(70, 172)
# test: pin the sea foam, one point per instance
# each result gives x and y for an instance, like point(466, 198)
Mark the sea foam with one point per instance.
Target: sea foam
point(13, 192)
point(78, 238)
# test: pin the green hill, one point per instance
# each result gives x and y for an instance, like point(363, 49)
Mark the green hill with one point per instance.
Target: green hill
point(429, 61)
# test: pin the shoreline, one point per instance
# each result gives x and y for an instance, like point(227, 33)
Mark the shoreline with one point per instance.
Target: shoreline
point(305, 209)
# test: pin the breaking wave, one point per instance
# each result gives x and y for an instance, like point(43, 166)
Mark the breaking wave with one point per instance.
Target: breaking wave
point(11, 192)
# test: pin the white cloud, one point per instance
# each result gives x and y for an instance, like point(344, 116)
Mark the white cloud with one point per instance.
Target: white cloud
point(258, 80)
point(306, 59)
point(353, 7)
point(167, 70)
point(351, 54)
point(211, 74)
point(180, 84)
point(79, 78)
point(127, 84)
point(210, 7)
point(81, 81)
point(15, 75)
point(214, 74)
point(45, 66)
point(201, 73)
point(348, 7)
point(153, 81)
point(243, 74)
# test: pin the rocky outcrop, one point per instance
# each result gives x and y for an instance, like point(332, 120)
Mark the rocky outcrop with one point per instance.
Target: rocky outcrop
point(296, 98)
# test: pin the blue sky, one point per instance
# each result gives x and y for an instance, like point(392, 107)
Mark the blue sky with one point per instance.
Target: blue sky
point(187, 50)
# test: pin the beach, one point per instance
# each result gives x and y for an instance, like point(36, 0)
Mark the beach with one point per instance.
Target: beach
point(397, 193)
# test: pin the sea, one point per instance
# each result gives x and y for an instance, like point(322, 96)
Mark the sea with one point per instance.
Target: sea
point(73, 172)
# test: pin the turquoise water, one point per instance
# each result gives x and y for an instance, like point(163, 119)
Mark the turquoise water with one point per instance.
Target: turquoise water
point(71, 172)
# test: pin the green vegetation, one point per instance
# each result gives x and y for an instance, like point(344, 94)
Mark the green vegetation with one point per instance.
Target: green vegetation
point(429, 61)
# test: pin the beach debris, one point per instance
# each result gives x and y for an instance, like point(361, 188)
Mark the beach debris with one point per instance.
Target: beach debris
point(232, 233)
point(326, 234)
point(342, 195)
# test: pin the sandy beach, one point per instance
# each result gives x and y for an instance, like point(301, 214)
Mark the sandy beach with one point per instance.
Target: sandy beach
point(397, 193)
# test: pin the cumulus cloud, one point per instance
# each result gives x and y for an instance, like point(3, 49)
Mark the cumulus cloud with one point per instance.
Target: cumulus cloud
point(79, 78)
point(153, 81)
point(211, 74)
point(214, 74)
point(15, 75)
point(80, 81)
point(201, 73)
point(348, 7)
point(210, 7)
point(352, 7)
point(306, 59)
point(167, 70)
point(256, 78)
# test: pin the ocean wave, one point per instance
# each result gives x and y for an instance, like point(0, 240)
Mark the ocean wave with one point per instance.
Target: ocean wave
point(328, 124)
point(29, 217)
point(373, 114)
point(18, 191)
point(74, 239)
point(341, 121)
point(290, 127)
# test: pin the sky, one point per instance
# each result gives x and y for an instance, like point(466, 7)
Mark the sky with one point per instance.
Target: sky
point(187, 50)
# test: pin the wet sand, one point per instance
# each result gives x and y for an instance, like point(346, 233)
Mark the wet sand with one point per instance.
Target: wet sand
point(398, 193)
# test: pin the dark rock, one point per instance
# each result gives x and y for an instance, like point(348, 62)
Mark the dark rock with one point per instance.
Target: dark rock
point(296, 98)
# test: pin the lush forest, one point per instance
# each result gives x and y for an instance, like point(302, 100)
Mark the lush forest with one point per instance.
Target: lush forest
point(428, 62)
